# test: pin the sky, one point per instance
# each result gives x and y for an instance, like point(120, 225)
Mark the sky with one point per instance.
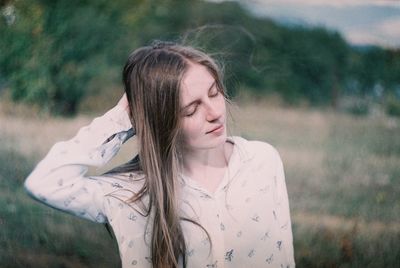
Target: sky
point(361, 22)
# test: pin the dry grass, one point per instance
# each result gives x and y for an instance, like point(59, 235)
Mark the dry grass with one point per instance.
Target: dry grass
point(342, 175)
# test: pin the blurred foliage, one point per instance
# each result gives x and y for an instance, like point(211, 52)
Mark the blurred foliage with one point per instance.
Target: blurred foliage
point(393, 106)
point(360, 107)
point(51, 51)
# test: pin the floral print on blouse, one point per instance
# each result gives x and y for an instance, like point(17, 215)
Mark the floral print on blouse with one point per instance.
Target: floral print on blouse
point(247, 217)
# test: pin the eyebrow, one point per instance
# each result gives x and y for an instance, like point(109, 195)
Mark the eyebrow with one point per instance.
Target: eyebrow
point(192, 102)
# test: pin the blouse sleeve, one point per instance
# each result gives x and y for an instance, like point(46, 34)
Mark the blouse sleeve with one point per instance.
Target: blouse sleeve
point(59, 179)
point(283, 212)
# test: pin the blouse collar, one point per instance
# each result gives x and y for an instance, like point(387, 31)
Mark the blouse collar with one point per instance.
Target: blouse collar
point(240, 155)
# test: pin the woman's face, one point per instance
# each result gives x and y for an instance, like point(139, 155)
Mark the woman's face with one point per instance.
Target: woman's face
point(202, 109)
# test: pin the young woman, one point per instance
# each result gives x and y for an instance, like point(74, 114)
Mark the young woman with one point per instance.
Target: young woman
point(192, 197)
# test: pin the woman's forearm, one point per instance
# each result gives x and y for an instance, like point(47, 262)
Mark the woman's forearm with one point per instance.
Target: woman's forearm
point(59, 179)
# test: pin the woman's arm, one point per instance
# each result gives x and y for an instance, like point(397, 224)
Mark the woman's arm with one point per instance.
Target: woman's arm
point(283, 211)
point(59, 179)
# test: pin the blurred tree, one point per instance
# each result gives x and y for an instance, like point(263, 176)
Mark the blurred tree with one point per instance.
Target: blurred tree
point(370, 68)
point(373, 68)
point(52, 51)
point(54, 48)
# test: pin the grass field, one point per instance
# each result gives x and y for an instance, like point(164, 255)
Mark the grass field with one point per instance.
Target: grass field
point(342, 174)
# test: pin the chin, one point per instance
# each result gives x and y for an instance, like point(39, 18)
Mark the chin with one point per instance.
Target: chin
point(207, 142)
point(215, 142)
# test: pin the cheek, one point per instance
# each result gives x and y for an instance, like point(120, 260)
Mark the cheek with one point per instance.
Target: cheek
point(191, 129)
point(220, 103)
point(223, 105)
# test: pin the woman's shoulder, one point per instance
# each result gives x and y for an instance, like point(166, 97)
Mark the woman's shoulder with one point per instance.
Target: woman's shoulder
point(256, 148)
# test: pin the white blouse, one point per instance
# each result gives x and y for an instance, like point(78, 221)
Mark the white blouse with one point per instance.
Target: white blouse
point(247, 217)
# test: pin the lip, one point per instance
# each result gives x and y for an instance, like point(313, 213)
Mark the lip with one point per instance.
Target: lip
point(217, 129)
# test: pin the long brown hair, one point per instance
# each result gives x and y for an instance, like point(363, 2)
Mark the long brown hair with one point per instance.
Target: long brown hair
point(152, 79)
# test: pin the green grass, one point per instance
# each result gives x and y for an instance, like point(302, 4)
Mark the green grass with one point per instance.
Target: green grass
point(33, 235)
point(342, 174)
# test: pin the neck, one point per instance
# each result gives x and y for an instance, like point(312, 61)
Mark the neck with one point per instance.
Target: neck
point(201, 160)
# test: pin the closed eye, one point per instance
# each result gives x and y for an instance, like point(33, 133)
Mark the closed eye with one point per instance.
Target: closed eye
point(213, 92)
point(192, 110)
point(190, 114)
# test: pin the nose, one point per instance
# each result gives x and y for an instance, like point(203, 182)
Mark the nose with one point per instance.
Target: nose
point(213, 112)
